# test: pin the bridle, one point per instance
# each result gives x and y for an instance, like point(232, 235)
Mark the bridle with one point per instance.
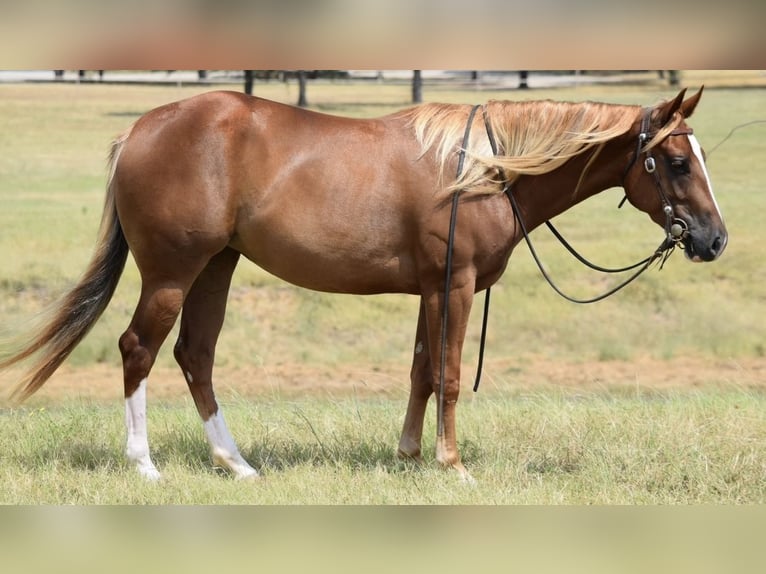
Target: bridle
point(676, 230)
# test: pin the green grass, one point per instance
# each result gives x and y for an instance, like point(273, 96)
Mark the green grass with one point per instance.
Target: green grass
point(703, 445)
point(536, 448)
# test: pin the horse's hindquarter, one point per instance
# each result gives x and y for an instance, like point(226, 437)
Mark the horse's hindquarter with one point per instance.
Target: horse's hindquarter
point(331, 203)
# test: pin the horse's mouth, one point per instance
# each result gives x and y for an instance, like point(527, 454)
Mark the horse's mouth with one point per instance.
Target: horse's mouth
point(699, 251)
point(690, 253)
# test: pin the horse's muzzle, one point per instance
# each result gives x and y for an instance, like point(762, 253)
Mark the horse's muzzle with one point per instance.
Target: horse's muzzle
point(705, 246)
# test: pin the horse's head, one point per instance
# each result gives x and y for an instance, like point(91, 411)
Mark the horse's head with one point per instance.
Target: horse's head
point(667, 179)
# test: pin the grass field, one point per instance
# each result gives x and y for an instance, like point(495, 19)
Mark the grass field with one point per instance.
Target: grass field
point(523, 448)
point(654, 396)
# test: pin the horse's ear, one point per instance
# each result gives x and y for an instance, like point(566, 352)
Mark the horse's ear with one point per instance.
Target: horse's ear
point(667, 109)
point(687, 108)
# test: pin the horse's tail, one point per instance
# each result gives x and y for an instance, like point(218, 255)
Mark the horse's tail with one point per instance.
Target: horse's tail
point(71, 318)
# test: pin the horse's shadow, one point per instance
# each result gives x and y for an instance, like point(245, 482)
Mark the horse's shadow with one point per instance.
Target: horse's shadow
point(363, 456)
point(265, 457)
point(80, 456)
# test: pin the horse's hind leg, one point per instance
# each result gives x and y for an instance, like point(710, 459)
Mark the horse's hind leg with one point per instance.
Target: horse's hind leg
point(420, 391)
point(201, 322)
point(157, 310)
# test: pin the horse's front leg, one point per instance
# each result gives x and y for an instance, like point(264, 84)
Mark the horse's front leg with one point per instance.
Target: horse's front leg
point(460, 300)
point(420, 391)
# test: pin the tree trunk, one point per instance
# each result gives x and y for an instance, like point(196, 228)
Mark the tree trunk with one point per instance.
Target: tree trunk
point(417, 87)
point(249, 82)
point(302, 101)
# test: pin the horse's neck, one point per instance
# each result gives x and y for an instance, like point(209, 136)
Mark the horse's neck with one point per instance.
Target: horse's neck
point(543, 197)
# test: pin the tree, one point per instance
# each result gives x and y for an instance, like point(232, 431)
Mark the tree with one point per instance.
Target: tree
point(417, 87)
point(302, 101)
point(249, 76)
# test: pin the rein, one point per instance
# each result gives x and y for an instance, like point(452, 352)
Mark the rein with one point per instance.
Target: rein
point(448, 279)
point(675, 228)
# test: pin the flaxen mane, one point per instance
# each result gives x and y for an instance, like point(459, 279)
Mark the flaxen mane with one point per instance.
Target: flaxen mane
point(533, 138)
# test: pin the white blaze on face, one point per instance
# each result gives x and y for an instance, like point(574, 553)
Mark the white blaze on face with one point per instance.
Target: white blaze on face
point(698, 153)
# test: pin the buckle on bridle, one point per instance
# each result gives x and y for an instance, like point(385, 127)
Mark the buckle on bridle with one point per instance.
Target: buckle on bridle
point(678, 230)
point(650, 165)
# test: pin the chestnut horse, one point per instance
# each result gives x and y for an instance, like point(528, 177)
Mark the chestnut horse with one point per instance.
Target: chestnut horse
point(355, 206)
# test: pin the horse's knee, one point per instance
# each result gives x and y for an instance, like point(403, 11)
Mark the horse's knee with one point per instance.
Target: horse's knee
point(421, 380)
point(451, 390)
point(422, 388)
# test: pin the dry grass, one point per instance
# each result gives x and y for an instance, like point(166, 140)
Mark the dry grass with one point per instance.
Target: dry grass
point(522, 448)
point(652, 396)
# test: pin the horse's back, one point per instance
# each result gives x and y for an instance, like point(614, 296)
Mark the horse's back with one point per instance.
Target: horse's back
point(309, 196)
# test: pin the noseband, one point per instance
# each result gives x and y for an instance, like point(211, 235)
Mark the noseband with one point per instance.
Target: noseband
point(676, 229)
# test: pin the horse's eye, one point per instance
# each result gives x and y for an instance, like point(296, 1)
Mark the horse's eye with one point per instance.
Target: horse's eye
point(680, 165)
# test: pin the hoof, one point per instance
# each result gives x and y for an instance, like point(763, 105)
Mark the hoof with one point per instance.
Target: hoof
point(462, 473)
point(235, 464)
point(247, 476)
point(416, 458)
point(149, 473)
point(466, 478)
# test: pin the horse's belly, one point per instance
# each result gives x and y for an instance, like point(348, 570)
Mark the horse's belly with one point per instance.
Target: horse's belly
point(333, 266)
point(333, 276)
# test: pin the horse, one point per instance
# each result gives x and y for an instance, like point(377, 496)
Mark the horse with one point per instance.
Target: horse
point(356, 206)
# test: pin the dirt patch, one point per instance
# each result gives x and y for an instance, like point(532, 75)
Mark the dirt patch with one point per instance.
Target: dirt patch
point(104, 383)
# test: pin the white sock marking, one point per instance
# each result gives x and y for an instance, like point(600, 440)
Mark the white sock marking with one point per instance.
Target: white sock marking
point(224, 450)
point(137, 448)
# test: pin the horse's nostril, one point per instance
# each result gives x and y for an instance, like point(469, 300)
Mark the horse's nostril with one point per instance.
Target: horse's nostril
point(717, 244)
